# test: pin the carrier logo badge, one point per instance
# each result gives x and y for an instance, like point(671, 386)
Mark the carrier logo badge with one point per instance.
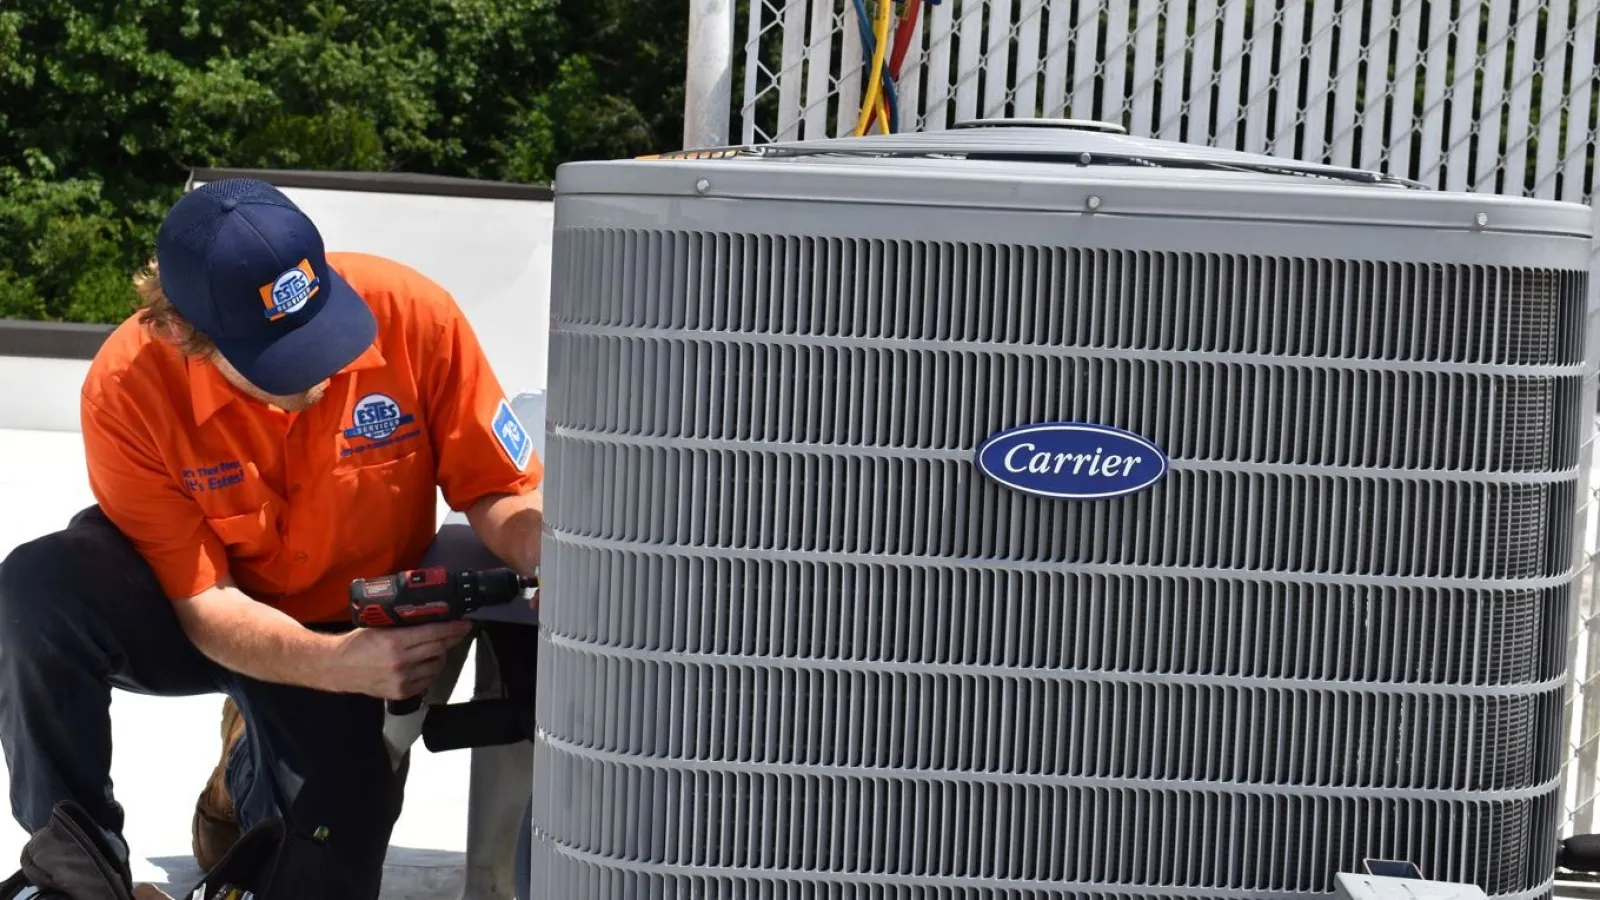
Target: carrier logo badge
point(290, 291)
point(1072, 461)
point(376, 417)
point(513, 438)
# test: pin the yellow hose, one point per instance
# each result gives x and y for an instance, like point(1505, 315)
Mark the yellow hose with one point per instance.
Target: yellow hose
point(875, 102)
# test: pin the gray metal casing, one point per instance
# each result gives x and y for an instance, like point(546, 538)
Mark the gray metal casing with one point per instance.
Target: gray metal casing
point(797, 645)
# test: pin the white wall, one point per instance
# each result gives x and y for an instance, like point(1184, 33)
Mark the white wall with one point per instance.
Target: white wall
point(40, 394)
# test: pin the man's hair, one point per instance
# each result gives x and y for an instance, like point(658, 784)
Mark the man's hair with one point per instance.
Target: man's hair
point(156, 312)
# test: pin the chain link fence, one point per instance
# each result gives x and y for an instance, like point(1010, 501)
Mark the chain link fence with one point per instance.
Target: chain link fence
point(1484, 95)
point(1582, 773)
point(1495, 96)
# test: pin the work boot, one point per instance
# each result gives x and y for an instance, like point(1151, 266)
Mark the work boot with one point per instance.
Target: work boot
point(216, 822)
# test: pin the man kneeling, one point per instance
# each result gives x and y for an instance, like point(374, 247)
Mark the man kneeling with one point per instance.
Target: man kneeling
point(273, 423)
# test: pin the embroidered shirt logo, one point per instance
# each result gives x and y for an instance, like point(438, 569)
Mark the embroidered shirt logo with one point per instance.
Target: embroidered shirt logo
point(214, 477)
point(377, 420)
point(376, 417)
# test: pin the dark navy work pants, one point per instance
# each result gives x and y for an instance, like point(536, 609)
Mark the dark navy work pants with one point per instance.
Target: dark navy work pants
point(81, 613)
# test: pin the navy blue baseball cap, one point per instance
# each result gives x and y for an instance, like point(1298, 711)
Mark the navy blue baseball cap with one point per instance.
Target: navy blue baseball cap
point(246, 268)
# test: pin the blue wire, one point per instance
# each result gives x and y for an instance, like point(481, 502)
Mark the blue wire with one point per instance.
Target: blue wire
point(892, 96)
point(869, 46)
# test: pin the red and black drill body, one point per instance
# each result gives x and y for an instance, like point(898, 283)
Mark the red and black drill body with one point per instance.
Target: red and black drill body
point(434, 594)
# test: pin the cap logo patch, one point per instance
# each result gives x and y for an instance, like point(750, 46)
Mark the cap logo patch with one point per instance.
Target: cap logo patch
point(290, 291)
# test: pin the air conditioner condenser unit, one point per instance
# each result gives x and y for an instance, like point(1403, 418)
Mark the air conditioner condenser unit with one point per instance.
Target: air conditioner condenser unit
point(1016, 513)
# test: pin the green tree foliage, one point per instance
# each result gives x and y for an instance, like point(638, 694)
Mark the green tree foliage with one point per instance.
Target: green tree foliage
point(105, 107)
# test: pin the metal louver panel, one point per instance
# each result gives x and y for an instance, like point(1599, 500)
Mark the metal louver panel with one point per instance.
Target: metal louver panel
point(798, 646)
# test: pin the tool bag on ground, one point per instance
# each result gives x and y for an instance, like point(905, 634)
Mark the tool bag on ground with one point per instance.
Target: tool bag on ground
point(69, 859)
point(269, 862)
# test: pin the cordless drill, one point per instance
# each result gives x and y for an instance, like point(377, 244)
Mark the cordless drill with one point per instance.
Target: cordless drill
point(435, 594)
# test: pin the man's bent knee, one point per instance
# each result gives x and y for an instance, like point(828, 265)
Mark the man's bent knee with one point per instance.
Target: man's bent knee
point(69, 578)
point(83, 599)
point(35, 580)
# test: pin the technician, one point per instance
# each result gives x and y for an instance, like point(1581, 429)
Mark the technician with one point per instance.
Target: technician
point(274, 422)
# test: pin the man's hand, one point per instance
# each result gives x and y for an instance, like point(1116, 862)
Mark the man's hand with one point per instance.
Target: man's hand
point(264, 643)
point(391, 663)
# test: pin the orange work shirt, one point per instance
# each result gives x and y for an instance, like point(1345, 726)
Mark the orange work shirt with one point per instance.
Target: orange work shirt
point(207, 481)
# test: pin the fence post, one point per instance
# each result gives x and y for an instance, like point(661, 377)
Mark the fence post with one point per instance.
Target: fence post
point(708, 86)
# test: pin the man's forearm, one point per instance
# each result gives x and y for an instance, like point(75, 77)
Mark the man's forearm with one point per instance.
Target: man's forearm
point(254, 639)
point(511, 525)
